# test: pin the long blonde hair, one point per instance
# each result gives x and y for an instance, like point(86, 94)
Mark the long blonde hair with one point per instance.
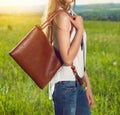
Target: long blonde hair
point(52, 6)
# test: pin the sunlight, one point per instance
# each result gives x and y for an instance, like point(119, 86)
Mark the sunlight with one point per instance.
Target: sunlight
point(44, 2)
point(21, 6)
point(18, 6)
point(22, 2)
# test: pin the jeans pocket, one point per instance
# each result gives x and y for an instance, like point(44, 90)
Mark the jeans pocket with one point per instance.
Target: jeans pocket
point(69, 86)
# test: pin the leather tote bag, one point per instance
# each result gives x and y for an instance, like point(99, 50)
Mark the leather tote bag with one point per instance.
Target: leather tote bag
point(36, 55)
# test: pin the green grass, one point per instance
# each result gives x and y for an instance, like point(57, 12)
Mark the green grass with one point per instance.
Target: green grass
point(19, 95)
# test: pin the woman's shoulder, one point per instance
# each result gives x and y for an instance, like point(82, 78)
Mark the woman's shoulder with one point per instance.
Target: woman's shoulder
point(62, 15)
point(62, 19)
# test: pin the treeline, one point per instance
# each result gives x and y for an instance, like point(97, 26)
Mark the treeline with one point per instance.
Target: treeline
point(99, 12)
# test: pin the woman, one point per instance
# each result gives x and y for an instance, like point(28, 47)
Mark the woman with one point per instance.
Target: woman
point(68, 95)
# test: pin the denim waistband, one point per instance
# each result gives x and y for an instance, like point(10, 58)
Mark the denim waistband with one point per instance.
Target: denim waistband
point(76, 83)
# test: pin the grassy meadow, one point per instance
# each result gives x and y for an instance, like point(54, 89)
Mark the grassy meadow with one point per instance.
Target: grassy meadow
point(19, 95)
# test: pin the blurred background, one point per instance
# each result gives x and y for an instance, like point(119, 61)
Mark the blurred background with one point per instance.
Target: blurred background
point(19, 95)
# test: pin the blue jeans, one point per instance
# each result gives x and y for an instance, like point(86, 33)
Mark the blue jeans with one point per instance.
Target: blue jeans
point(70, 99)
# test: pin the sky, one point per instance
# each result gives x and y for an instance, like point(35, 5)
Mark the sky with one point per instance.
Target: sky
point(41, 2)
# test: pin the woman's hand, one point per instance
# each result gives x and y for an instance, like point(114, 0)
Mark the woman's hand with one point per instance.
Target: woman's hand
point(88, 91)
point(77, 21)
point(90, 97)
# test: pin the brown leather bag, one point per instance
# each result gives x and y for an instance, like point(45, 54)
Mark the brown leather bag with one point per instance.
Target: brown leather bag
point(36, 56)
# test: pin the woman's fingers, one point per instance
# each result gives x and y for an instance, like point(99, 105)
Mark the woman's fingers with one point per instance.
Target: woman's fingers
point(72, 19)
point(77, 22)
point(92, 102)
point(90, 98)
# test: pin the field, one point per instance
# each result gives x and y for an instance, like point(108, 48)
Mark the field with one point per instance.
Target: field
point(19, 95)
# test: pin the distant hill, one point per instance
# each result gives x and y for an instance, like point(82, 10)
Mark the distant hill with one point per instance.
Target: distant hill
point(89, 12)
point(99, 11)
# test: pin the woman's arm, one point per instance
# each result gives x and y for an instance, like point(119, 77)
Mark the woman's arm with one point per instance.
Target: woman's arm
point(68, 51)
point(88, 90)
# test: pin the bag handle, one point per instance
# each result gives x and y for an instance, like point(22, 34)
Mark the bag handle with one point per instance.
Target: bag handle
point(53, 15)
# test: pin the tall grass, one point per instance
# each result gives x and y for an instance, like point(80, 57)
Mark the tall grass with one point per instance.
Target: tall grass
point(103, 63)
point(19, 95)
